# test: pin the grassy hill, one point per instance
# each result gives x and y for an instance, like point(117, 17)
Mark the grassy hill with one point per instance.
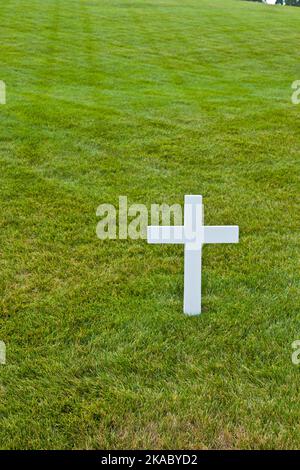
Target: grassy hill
point(153, 100)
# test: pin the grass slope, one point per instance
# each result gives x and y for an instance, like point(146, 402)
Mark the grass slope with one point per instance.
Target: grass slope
point(152, 100)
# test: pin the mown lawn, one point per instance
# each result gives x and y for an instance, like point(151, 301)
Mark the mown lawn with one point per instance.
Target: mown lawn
point(152, 100)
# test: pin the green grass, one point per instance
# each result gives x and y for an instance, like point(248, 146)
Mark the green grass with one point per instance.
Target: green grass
point(153, 100)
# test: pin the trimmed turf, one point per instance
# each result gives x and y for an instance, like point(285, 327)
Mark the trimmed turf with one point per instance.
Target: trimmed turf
point(152, 100)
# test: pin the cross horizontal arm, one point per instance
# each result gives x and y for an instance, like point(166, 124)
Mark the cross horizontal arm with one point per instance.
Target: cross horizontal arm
point(165, 234)
point(221, 234)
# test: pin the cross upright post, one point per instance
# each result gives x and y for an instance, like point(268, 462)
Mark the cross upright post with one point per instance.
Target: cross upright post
point(193, 234)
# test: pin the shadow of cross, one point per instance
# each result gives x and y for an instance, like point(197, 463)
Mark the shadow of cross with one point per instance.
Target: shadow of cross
point(193, 234)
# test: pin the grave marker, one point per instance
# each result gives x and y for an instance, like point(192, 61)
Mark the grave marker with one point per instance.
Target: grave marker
point(193, 234)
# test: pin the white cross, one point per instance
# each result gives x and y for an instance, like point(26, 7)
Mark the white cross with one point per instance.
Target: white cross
point(193, 234)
